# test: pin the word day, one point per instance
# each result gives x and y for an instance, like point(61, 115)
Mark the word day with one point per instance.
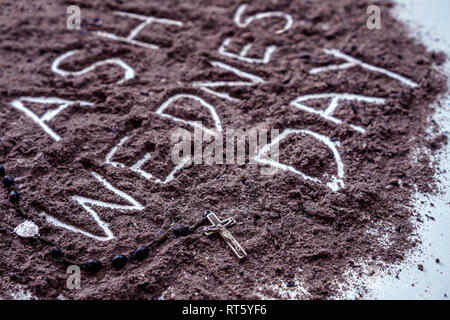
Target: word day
point(261, 153)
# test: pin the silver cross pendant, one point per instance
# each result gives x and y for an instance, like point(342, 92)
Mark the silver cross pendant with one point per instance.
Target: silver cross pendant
point(221, 228)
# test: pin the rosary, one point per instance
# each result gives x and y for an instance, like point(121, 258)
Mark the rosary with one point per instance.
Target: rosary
point(28, 229)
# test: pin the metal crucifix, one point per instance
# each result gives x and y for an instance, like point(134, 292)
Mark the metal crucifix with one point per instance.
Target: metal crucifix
point(221, 228)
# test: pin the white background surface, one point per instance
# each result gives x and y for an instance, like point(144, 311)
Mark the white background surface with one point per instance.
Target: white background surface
point(429, 21)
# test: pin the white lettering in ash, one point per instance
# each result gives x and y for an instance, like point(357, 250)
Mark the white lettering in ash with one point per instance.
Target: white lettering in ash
point(128, 71)
point(50, 114)
point(137, 167)
point(262, 15)
point(242, 56)
point(195, 124)
point(253, 80)
point(335, 183)
point(206, 85)
point(334, 98)
point(146, 20)
point(352, 62)
point(88, 203)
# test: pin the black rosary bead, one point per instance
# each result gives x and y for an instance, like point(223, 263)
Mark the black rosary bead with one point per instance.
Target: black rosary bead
point(119, 261)
point(180, 231)
point(56, 252)
point(93, 265)
point(8, 181)
point(141, 253)
point(14, 197)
